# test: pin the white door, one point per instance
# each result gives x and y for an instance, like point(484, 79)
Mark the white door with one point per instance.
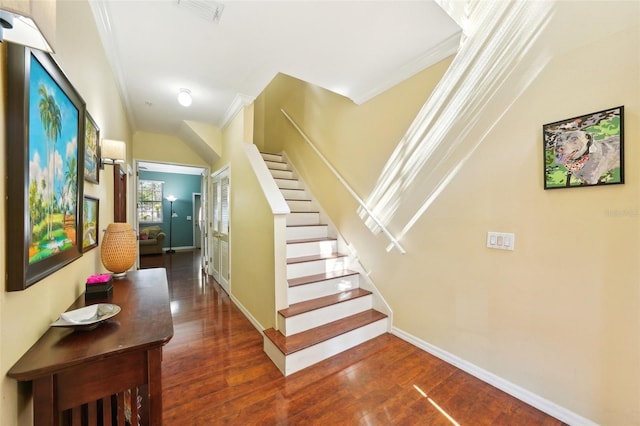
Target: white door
point(220, 227)
point(204, 221)
point(197, 230)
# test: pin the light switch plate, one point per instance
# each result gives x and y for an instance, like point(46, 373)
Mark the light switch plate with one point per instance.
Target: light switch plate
point(501, 240)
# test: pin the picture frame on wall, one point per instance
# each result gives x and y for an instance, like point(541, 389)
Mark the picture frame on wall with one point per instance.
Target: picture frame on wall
point(90, 226)
point(586, 150)
point(45, 167)
point(91, 150)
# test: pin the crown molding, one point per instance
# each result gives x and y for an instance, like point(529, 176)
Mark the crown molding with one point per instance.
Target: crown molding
point(429, 58)
point(239, 102)
point(102, 17)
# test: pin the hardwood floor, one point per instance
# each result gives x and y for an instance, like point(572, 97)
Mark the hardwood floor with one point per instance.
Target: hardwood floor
point(215, 372)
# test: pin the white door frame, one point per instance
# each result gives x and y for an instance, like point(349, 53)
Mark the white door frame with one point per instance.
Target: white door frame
point(220, 238)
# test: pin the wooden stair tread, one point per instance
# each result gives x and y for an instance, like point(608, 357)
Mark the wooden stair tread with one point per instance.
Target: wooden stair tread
point(308, 279)
point(297, 199)
point(294, 343)
point(314, 257)
point(312, 224)
point(322, 302)
point(311, 240)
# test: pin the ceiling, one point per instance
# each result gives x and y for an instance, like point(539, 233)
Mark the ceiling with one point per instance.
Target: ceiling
point(354, 48)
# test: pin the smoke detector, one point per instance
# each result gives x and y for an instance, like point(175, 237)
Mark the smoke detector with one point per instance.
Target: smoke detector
point(206, 9)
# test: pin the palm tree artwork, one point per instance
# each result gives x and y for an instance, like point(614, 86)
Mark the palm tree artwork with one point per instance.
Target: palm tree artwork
point(53, 166)
point(51, 121)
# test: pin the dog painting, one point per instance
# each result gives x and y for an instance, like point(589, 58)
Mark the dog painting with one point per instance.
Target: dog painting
point(585, 150)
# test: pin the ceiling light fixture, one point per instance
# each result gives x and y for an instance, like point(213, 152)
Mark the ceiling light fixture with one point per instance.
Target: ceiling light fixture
point(184, 97)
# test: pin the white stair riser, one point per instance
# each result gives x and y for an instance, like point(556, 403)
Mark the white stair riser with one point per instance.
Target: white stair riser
point(274, 354)
point(314, 354)
point(307, 232)
point(294, 194)
point(318, 317)
point(284, 174)
point(272, 157)
point(302, 269)
point(288, 184)
point(299, 205)
point(305, 218)
point(318, 289)
point(274, 165)
point(311, 248)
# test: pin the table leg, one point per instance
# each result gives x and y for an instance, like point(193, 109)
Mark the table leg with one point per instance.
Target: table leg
point(154, 366)
point(44, 409)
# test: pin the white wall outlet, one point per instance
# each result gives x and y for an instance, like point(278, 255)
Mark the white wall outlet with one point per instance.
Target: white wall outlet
point(501, 240)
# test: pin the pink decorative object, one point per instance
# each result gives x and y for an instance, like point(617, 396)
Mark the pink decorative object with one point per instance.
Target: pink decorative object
point(98, 279)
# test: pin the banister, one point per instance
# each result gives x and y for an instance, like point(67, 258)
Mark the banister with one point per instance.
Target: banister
point(362, 204)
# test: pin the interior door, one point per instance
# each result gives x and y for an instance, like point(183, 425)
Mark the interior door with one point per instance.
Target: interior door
point(220, 227)
point(197, 212)
point(204, 219)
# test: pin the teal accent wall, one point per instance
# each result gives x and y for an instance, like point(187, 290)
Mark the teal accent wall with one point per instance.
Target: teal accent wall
point(182, 187)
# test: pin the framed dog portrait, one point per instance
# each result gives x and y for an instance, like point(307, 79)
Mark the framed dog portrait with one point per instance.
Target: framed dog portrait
point(585, 151)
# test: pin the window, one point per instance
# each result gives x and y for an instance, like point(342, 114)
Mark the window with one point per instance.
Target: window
point(150, 201)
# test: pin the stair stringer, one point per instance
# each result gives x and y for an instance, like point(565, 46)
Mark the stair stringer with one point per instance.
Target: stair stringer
point(379, 303)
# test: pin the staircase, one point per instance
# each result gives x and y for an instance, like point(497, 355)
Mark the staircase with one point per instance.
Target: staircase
point(328, 312)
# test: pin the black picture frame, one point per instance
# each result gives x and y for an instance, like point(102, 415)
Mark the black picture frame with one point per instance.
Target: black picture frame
point(586, 150)
point(45, 167)
point(91, 150)
point(90, 222)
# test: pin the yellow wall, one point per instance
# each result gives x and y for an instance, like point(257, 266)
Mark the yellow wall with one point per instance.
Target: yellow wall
point(164, 149)
point(26, 315)
point(560, 315)
point(251, 225)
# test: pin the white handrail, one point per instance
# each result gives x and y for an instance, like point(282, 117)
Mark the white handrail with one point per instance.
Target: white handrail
point(384, 229)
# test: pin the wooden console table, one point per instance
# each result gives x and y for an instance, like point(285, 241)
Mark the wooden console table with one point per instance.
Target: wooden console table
point(93, 377)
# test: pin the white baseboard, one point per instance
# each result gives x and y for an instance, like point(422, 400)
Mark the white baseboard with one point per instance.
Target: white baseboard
point(182, 248)
point(514, 390)
point(247, 314)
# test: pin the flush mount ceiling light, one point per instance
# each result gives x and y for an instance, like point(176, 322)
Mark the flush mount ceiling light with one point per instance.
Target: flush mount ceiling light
point(184, 97)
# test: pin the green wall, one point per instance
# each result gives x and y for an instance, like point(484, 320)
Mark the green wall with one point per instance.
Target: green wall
point(182, 187)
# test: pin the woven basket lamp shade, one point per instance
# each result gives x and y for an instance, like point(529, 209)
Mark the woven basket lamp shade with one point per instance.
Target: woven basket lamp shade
point(119, 248)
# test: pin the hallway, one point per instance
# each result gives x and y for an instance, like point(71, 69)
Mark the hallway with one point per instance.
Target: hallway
point(215, 372)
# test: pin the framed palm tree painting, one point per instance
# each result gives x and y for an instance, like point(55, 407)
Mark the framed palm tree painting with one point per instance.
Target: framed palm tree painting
point(45, 165)
point(90, 211)
point(91, 150)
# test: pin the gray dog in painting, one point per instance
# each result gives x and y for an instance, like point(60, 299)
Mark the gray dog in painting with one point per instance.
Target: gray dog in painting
point(585, 158)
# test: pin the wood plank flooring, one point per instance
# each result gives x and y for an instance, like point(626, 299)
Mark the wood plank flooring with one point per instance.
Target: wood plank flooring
point(214, 372)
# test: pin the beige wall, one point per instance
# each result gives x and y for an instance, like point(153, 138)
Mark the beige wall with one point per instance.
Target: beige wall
point(560, 315)
point(251, 225)
point(25, 315)
point(164, 149)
